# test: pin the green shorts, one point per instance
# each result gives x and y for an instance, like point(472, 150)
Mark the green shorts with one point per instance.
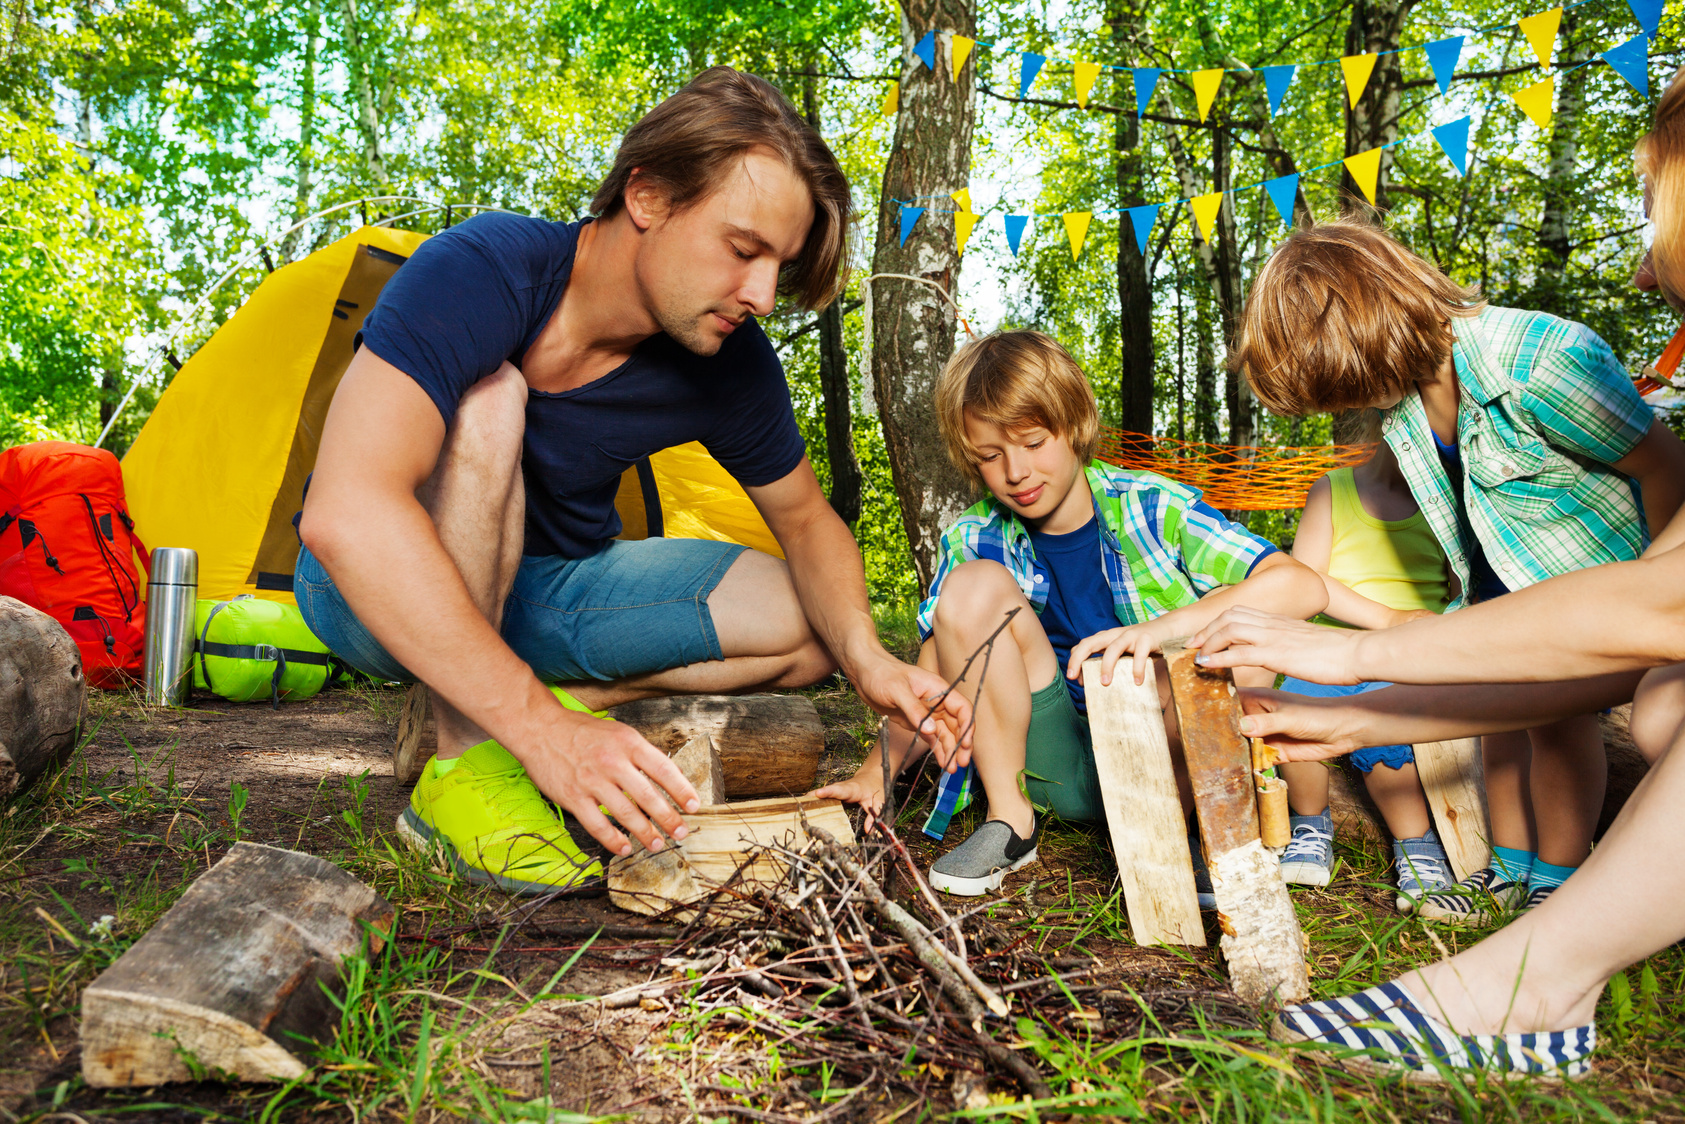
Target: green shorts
point(1059, 756)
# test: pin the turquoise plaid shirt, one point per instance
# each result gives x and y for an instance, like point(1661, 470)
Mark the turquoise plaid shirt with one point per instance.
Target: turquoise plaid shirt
point(1546, 409)
point(1164, 548)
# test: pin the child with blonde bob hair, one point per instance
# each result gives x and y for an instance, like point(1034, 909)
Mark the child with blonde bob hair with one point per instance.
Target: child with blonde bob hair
point(1527, 451)
point(1096, 559)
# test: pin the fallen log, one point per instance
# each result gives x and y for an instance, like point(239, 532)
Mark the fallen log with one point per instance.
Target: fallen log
point(1261, 940)
point(42, 692)
point(722, 839)
point(230, 982)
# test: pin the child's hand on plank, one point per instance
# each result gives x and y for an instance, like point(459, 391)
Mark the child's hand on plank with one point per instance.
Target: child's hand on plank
point(864, 788)
point(1137, 640)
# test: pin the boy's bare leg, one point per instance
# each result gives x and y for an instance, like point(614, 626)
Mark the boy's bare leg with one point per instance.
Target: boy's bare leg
point(478, 503)
point(1398, 794)
point(1569, 774)
point(1505, 759)
point(1546, 970)
point(975, 597)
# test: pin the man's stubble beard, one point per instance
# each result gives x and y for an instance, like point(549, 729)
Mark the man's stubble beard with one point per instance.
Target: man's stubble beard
point(688, 333)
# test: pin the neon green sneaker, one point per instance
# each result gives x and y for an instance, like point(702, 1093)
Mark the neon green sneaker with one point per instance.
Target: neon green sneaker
point(494, 825)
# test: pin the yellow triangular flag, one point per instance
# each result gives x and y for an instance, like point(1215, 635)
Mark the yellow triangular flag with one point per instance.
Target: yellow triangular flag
point(1205, 89)
point(1358, 68)
point(962, 197)
point(1365, 168)
point(1086, 73)
point(1205, 211)
point(1076, 228)
point(1535, 101)
point(961, 50)
point(963, 222)
point(1541, 33)
point(891, 100)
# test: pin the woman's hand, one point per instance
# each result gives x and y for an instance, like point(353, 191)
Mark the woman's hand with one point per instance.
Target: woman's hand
point(1137, 640)
point(1248, 638)
point(1301, 728)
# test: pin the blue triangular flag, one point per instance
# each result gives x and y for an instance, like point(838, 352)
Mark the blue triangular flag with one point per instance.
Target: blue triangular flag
point(925, 49)
point(909, 218)
point(1142, 218)
point(1146, 77)
point(1631, 60)
point(1015, 230)
point(1442, 56)
point(1283, 192)
point(1028, 70)
point(1648, 13)
point(1453, 137)
point(1276, 81)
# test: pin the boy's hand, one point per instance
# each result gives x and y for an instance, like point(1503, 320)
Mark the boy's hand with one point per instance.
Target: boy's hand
point(866, 791)
point(1137, 640)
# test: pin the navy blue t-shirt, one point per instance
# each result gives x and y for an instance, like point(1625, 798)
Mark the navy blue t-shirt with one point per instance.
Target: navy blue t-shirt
point(1079, 600)
point(1484, 582)
point(480, 293)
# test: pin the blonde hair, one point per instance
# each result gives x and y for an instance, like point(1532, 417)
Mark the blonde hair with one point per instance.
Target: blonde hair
point(1015, 380)
point(1342, 316)
point(1660, 161)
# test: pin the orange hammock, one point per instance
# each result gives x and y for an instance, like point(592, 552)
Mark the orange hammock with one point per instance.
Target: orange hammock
point(1233, 477)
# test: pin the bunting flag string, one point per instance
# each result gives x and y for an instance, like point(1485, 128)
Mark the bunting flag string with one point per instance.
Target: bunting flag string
point(1540, 30)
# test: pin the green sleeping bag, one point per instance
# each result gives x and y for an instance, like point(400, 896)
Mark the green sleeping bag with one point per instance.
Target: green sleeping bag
point(247, 649)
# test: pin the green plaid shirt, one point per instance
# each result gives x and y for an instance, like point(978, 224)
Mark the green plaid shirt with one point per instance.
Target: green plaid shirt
point(1546, 409)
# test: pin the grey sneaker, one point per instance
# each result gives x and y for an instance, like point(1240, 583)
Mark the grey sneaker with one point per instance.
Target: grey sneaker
point(1309, 857)
point(1419, 867)
point(978, 865)
point(1475, 900)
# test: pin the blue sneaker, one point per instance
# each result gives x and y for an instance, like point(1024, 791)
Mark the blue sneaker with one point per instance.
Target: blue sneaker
point(1309, 857)
point(1419, 867)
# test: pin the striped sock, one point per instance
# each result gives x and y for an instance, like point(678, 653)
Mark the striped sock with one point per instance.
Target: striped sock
point(1548, 875)
point(1513, 864)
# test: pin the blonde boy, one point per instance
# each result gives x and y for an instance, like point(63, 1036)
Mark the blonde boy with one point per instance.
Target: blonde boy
point(1098, 561)
point(1526, 449)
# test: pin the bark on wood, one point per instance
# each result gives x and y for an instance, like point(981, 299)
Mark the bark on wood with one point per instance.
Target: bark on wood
point(722, 838)
point(42, 692)
point(1128, 20)
point(1375, 27)
point(770, 745)
point(1143, 811)
point(913, 326)
point(415, 738)
point(231, 978)
point(1261, 940)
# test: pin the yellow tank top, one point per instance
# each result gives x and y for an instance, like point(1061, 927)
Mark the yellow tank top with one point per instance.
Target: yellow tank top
point(1396, 562)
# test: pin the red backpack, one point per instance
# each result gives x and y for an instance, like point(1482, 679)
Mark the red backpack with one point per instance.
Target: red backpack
point(67, 547)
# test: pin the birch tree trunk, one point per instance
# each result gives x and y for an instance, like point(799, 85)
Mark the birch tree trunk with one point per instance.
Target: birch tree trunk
point(1128, 20)
point(1375, 26)
point(362, 87)
point(1562, 155)
point(306, 164)
point(913, 326)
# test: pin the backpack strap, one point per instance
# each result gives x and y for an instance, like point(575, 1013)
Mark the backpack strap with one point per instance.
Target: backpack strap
point(204, 642)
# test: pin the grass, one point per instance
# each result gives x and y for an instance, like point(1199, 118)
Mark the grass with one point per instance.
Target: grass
point(89, 859)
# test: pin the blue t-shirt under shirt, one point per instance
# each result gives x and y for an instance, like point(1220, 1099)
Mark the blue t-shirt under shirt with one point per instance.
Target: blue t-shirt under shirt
point(1079, 601)
point(1483, 580)
point(479, 294)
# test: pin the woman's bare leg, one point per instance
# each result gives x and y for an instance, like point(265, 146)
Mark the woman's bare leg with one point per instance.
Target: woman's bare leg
point(1505, 759)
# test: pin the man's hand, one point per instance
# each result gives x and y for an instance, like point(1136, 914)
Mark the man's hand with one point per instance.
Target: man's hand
point(587, 765)
point(1247, 638)
point(1301, 728)
point(1137, 640)
point(905, 694)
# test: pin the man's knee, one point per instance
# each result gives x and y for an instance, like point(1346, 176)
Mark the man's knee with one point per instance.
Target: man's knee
point(491, 418)
point(976, 592)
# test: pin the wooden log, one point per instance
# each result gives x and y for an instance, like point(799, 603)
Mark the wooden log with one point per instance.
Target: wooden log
point(42, 692)
point(231, 978)
point(1261, 939)
point(770, 745)
point(722, 838)
point(1455, 786)
point(1143, 811)
point(699, 761)
point(410, 754)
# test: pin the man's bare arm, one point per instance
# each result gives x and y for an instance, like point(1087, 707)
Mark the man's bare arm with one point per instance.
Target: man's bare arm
point(363, 522)
point(830, 581)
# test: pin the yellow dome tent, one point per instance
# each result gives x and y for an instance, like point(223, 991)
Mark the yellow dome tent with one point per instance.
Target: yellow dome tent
point(220, 465)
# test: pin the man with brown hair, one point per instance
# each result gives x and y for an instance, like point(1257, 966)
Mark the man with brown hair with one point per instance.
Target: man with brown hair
point(460, 529)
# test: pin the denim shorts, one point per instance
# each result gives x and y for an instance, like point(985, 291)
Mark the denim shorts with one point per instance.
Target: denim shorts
point(632, 608)
point(1365, 759)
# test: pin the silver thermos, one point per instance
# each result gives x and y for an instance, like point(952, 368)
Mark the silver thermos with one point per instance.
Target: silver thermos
point(172, 592)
